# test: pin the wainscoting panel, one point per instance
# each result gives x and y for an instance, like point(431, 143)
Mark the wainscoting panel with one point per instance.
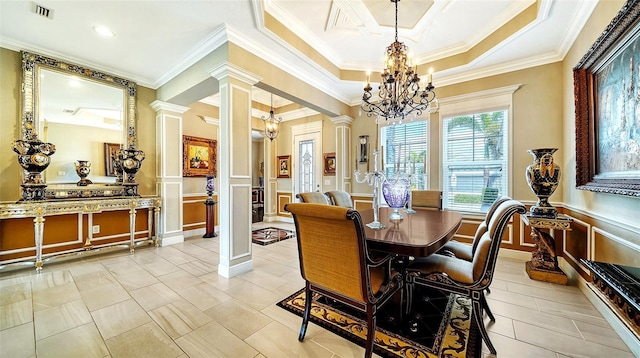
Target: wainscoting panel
point(284, 199)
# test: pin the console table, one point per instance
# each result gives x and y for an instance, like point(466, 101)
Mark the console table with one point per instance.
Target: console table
point(40, 210)
point(619, 287)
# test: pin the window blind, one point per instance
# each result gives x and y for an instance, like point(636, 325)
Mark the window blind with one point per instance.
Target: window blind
point(405, 150)
point(474, 160)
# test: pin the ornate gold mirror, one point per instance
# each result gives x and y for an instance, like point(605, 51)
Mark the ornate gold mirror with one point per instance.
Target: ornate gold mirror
point(78, 132)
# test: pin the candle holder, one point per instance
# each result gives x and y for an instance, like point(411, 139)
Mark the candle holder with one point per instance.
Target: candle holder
point(375, 179)
point(410, 203)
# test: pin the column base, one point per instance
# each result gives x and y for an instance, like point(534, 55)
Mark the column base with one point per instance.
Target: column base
point(552, 276)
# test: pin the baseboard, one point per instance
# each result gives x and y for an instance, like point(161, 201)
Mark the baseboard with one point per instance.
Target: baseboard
point(231, 271)
point(618, 326)
point(172, 240)
point(194, 232)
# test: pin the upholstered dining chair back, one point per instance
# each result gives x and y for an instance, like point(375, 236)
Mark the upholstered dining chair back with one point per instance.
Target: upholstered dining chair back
point(466, 251)
point(469, 278)
point(315, 197)
point(426, 199)
point(332, 248)
point(340, 198)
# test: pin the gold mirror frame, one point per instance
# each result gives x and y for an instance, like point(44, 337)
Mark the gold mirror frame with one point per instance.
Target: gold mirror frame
point(31, 63)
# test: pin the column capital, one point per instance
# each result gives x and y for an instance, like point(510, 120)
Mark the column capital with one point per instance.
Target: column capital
point(169, 107)
point(227, 69)
point(343, 119)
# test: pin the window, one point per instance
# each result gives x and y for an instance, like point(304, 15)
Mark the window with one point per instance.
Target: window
point(475, 160)
point(404, 148)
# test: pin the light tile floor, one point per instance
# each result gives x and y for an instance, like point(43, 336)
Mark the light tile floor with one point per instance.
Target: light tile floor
point(170, 302)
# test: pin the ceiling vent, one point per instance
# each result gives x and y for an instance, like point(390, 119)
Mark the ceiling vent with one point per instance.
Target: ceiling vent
point(42, 11)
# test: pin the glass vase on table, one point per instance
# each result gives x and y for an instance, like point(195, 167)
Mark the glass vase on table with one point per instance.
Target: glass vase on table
point(396, 192)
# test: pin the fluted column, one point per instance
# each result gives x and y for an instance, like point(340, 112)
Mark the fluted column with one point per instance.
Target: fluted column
point(234, 174)
point(343, 152)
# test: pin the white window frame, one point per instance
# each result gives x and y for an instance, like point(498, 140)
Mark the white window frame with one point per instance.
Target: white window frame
point(480, 102)
point(426, 166)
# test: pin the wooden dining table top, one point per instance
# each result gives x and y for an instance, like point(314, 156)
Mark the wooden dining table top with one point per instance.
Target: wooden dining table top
point(419, 234)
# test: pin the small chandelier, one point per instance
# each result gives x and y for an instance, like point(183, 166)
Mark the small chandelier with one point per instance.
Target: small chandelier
point(271, 124)
point(399, 91)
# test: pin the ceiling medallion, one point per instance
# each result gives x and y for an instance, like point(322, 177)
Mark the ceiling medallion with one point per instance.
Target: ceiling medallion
point(399, 96)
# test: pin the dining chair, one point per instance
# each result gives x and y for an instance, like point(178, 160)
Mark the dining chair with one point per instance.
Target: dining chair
point(315, 197)
point(468, 278)
point(465, 251)
point(334, 262)
point(340, 198)
point(426, 199)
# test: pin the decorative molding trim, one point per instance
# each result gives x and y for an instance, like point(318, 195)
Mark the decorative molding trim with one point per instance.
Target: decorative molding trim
point(565, 253)
point(210, 120)
point(227, 69)
point(343, 119)
point(166, 106)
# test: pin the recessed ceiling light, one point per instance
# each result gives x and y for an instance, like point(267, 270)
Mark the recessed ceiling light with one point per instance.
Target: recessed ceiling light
point(104, 31)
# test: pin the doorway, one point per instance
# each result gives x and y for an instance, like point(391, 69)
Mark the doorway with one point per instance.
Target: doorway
point(257, 176)
point(307, 157)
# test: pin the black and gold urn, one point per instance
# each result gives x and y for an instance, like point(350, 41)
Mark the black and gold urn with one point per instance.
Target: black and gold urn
point(543, 176)
point(130, 161)
point(34, 158)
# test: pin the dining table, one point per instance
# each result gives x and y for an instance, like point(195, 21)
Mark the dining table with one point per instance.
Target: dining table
point(418, 234)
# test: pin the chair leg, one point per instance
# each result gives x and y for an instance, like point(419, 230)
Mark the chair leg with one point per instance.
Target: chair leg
point(308, 297)
point(410, 287)
point(485, 306)
point(371, 331)
point(477, 314)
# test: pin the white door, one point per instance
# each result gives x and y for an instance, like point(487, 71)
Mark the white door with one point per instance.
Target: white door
point(307, 162)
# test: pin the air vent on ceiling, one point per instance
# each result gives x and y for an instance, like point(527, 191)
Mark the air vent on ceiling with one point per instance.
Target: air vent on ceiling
point(42, 11)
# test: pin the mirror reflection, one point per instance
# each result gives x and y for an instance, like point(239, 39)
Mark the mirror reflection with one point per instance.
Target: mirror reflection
point(79, 116)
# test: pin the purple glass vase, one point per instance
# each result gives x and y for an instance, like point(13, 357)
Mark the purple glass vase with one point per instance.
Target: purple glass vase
point(396, 193)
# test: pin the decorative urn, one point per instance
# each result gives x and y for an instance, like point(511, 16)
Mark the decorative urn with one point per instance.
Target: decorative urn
point(543, 176)
point(83, 167)
point(34, 158)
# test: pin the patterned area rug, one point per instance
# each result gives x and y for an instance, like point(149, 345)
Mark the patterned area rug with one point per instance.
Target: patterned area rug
point(270, 235)
point(439, 325)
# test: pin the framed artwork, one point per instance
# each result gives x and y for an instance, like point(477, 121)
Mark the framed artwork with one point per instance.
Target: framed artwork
point(329, 163)
point(199, 157)
point(607, 100)
point(284, 166)
point(110, 151)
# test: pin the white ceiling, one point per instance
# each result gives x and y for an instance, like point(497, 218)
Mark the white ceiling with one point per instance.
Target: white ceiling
point(156, 40)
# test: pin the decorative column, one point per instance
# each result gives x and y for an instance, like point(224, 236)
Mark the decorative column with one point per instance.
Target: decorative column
point(544, 261)
point(270, 181)
point(234, 169)
point(343, 152)
point(169, 170)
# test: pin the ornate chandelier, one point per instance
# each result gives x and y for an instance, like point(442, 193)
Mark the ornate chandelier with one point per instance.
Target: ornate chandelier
point(271, 124)
point(399, 93)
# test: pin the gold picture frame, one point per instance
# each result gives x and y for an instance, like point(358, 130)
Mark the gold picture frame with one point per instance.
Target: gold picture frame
point(199, 156)
point(284, 166)
point(110, 151)
point(329, 163)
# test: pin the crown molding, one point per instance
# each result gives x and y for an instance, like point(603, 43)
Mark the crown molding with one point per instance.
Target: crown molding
point(215, 39)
